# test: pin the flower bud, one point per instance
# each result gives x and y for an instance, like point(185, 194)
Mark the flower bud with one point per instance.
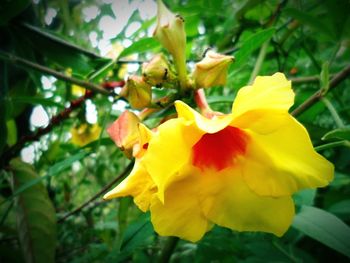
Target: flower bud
point(137, 92)
point(211, 70)
point(124, 132)
point(170, 32)
point(157, 71)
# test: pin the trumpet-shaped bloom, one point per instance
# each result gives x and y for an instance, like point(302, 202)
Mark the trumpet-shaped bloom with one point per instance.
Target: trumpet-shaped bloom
point(237, 170)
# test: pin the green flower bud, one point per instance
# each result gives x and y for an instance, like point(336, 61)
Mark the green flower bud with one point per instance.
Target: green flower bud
point(170, 32)
point(137, 92)
point(211, 70)
point(157, 71)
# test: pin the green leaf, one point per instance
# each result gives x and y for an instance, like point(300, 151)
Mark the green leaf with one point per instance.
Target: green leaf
point(250, 45)
point(59, 51)
point(309, 20)
point(10, 9)
point(3, 126)
point(143, 45)
point(36, 217)
point(53, 170)
point(137, 235)
point(324, 77)
point(324, 227)
point(305, 197)
point(36, 101)
point(341, 134)
point(12, 132)
point(341, 208)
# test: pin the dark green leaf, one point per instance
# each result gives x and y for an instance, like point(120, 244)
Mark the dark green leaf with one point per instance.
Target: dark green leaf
point(324, 227)
point(36, 217)
point(10, 9)
point(250, 45)
point(341, 208)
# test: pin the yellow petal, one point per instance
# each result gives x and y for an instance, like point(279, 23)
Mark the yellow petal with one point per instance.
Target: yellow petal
point(268, 92)
point(204, 124)
point(168, 151)
point(138, 184)
point(180, 215)
point(232, 204)
point(283, 161)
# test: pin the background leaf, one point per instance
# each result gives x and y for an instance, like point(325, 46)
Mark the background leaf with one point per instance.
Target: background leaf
point(36, 217)
point(324, 227)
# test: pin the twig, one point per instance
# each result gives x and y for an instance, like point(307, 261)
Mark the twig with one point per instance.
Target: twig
point(308, 79)
point(338, 78)
point(54, 121)
point(98, 194)
point(26, 63)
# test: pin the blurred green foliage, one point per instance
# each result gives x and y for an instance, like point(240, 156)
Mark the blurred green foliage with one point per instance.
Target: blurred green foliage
point(81, 39)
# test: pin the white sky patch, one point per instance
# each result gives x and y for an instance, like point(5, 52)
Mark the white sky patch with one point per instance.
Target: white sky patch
point(28, 154)
point(90, 13)
point(150, 30)
point(39, 117)
point(91, 112)
point(147, 9)
point(48, 82)
point(120, 105)
point(105, 46)
point(93, 39)
point(132, 28)
point(133, 67)
point(109, 27)
point(201, 29)
point(50, 15)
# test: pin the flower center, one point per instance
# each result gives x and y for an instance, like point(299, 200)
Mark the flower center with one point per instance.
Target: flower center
point(218, 150)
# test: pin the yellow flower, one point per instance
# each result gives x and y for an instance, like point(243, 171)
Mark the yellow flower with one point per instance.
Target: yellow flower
point(237, 170)
point(85, 133)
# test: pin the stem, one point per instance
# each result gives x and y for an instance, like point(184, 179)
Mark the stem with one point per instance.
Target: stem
point(259, 62)
point(201, 101)
point(168, 249)
point(26, 63)
point(98, 194)
point(180, 66)
point(332, 145)
point(338, 78)
point(308, 79)
point(333, 112)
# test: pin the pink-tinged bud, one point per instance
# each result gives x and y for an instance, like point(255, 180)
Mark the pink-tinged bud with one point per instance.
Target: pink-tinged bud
point(124, 132)
point(137, 92)
point(211, 70)
point(170, 32)
point(157, 71)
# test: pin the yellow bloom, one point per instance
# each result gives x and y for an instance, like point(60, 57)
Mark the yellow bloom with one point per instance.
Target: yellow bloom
point(237, 170)
point(85, 133)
